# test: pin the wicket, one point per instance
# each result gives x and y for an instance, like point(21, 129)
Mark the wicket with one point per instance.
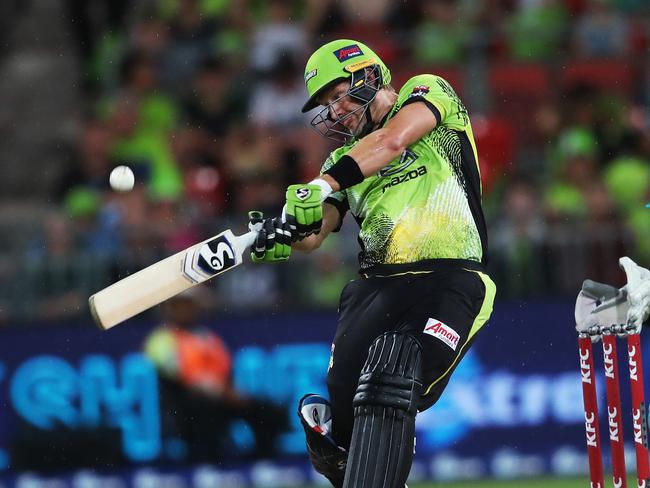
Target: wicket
point(609, 335)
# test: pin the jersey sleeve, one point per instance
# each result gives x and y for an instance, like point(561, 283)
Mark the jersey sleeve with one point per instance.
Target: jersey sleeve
point(439, 96)
point(339, 198)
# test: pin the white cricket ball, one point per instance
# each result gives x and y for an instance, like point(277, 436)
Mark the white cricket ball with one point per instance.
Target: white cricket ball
point(122, 178)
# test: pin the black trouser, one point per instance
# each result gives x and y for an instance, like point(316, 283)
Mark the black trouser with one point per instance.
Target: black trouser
point(459, 299)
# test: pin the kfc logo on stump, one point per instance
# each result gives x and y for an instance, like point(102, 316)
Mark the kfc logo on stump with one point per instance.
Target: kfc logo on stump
point(443, 332)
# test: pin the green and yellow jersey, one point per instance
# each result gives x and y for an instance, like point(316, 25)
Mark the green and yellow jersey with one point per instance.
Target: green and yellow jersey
point(426, 204)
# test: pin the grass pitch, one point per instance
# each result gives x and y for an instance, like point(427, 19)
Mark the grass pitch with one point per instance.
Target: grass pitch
point(520, 483)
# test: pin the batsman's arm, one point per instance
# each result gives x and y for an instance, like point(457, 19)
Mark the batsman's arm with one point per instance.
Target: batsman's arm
point(380, 147)
point(331, 219)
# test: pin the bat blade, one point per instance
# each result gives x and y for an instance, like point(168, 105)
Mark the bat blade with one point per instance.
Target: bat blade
point(168, 277)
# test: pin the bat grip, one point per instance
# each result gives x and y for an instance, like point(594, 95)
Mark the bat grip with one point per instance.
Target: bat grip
point(247, 240)
point(244, 241)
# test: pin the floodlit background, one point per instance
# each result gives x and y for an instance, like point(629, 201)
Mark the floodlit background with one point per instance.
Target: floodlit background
point(202, 98)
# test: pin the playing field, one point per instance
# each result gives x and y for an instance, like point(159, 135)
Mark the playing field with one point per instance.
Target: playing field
point(527, 483)
point(521, 483)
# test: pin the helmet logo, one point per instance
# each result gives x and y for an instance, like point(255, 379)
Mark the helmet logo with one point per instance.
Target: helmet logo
point(311, 74)
point(348, 52)
point(303, 194)
point(351, 68)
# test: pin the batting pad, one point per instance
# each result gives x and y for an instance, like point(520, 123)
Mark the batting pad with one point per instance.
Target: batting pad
point(385, 405)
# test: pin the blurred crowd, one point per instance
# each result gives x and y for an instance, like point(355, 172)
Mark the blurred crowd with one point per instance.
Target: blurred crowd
point(202, 99)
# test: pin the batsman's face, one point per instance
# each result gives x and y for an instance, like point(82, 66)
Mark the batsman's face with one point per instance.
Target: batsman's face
point(342, 109)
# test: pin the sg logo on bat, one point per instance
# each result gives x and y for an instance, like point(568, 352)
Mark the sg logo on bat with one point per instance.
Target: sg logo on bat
point(209, 259)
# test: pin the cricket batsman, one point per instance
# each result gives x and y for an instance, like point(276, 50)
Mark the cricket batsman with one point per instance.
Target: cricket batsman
point(407, 170)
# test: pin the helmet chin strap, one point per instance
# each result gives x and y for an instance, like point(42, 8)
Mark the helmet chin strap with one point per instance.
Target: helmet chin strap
point(368, 125)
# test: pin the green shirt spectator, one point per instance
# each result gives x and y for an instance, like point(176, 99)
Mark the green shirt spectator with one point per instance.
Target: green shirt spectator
point(536, 32)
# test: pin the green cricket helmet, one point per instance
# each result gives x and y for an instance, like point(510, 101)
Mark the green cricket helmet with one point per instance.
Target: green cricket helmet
point(336, 61)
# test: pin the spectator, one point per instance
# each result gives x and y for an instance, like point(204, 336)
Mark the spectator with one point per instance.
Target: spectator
point(442, 36)
point(142, 138)
point(628, 181)
point(91, 164)
point(206, 105)
point(517, 253)
point(192, 38)
point(278, 99)
point(575, 171)
point(278, 34)
point(255, 170)
point(205, 178)
point(199, 398)
point(601, 32)
point(56, 279)
point(536, 29)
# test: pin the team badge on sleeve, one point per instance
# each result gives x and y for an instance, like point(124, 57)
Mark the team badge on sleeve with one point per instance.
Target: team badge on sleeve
point(443, 332)
point(419, 91)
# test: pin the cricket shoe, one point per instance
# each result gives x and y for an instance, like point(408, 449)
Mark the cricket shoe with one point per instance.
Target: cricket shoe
point(328, 458)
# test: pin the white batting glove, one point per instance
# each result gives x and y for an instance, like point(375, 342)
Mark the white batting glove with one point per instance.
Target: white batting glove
point(638, 290)
point(600, 305)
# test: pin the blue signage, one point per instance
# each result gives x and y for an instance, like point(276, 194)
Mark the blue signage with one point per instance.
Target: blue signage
point(512, 408)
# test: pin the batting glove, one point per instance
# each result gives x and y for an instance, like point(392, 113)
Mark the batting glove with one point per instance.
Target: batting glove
point(303, 210)
point(273, 242)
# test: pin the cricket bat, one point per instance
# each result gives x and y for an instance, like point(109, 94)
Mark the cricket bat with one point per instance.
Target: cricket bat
point(164, 279)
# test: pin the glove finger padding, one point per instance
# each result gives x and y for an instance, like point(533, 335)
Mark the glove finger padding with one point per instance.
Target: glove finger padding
point(259, 247)
point(273, 242)
point(282, 240)
point(269, 232)
point(304, 210)
point(312, 215)
point(256, 222)
point(283, 232)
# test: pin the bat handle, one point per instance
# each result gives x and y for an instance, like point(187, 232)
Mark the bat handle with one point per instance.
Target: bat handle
point(244, 241)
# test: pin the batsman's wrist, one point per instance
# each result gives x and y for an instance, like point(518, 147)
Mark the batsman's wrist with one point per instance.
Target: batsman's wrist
point(325, 188)
point(346, 172)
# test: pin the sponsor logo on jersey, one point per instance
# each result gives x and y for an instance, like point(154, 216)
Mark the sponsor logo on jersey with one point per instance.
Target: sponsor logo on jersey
point(411, 175)
point(303, 194)
point(407, 158)
point(348, 52)
point(311, 74)
point(443, 332)
point(419, 91)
